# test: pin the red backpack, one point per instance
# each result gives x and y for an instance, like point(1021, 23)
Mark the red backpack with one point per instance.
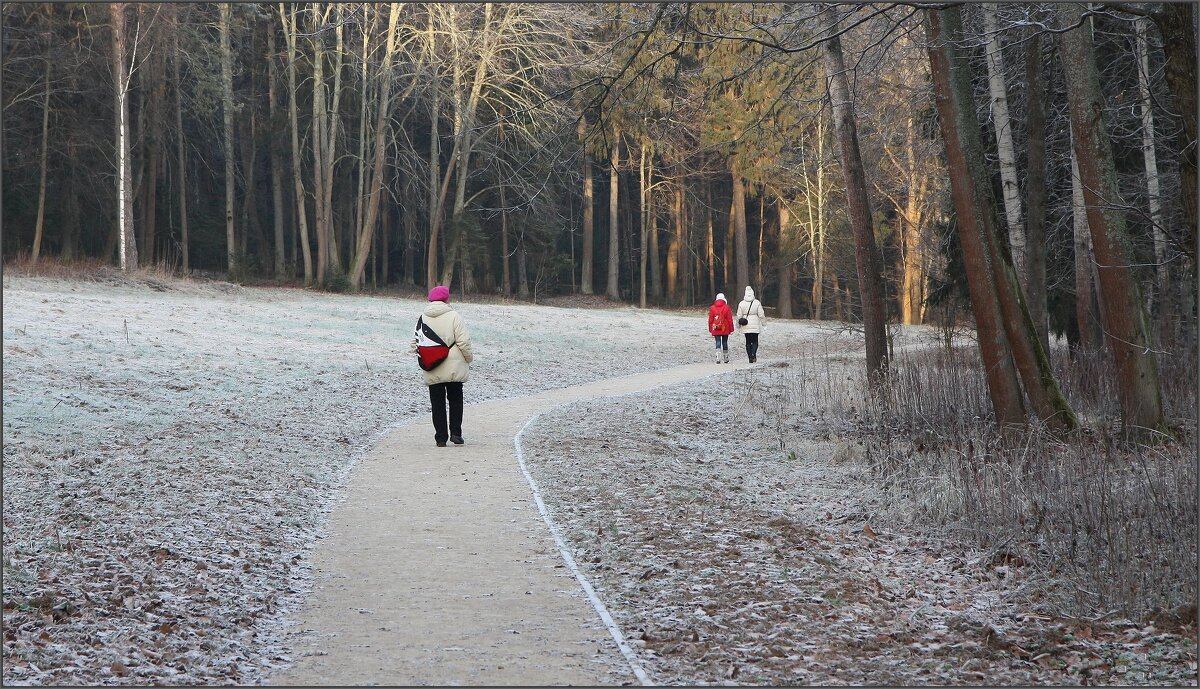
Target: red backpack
point(432, 350)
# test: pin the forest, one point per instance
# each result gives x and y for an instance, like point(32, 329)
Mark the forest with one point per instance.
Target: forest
point(972, 225)
point(652, 153)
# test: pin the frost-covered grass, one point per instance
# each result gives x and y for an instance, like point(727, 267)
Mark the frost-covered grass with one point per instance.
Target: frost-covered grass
point(171, 449)
point(745, 536)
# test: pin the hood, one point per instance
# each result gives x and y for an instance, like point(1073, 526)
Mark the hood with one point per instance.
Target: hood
point(720, 299)
point(436, 308)
point(749, 293)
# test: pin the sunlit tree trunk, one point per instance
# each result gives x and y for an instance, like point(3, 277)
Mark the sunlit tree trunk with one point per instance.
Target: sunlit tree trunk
point(589, 241)
point(866, 252)
point(1125, 323)
point(710, 247)
point(643, 195)
point(741, 245)
point(126, 242)
point(613, 289)
point(226, 11)
point(784, 263)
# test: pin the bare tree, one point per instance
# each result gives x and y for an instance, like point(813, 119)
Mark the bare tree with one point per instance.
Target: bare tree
point(866, 252)
point(1008, 342)
point(1125, 322)
point(290, 30)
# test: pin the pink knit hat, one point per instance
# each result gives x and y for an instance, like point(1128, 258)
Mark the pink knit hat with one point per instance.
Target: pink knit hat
point(439, 293)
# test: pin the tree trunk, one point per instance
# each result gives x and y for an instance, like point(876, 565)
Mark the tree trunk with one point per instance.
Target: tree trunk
point(978, 220)
point(437, 187)
point(1177, 25)
point(366, 237)
point(226, 11)
point(943, 27)
point(711, 251)
point(643, 191)
point(505, 272)
point(673, 252)
point(612, 289)
point(126, 242)
point(1035, 189)
point(522, 268)
point(741, 249)
point(784, 265)
point(41, 206)
point(654, 257)
point(1004, 143)
point(866, 253)
point(410, 248)
point(290, 30)
point(1125, 322)
point(70, 243)
point(1150, 158)
point(762, 232)
point(276, 160)
point(589, 242)
point(181, 151)
point(1087, 308)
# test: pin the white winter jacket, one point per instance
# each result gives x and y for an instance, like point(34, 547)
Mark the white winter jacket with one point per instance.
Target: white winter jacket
point(449, 326)
point(752, 310)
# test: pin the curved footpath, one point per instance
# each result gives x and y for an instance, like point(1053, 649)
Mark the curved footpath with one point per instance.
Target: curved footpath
point(438, 567)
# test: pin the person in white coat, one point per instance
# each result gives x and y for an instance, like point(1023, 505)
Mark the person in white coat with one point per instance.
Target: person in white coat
point(445, 380)
point(750, 321)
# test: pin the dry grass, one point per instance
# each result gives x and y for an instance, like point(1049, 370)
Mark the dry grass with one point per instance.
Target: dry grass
point(1097, 524)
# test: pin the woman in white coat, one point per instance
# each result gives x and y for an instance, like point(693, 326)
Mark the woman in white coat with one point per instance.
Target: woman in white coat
point(750, 320)
point(445, 380)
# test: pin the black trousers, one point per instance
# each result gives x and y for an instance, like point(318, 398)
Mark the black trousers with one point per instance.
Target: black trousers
point(752, 346)
point(438, 394)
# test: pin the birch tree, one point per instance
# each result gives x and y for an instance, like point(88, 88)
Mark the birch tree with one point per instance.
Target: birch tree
point(1004, 141)
point(122, 69)
point(1150, 159)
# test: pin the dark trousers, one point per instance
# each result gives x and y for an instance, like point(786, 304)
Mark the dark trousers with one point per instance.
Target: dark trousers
point(438, 394)
point(752, 346)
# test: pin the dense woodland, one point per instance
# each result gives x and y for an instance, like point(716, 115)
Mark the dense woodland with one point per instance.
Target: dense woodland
point(1027, 167)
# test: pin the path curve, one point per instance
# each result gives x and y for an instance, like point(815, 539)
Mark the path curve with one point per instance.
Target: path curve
point(438, 569)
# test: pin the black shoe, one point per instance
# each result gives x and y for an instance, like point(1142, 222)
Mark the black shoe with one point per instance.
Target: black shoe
point(457, 439)
point(441, 443)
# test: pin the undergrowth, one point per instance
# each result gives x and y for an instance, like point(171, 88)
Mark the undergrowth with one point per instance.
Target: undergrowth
point(1098, 525)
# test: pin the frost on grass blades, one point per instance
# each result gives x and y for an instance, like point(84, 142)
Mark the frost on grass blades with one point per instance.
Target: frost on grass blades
point(163, 482)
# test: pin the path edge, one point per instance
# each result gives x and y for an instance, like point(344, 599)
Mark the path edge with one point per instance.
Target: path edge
point(601, 610)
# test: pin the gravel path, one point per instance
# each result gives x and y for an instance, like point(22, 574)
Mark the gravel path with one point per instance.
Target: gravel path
point(438, 568)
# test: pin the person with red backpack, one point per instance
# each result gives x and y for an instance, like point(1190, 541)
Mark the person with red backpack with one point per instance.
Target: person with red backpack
point(443, 348)
point(720, 325)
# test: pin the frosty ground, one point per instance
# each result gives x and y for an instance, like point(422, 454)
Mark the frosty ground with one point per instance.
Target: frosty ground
point(172, 449)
